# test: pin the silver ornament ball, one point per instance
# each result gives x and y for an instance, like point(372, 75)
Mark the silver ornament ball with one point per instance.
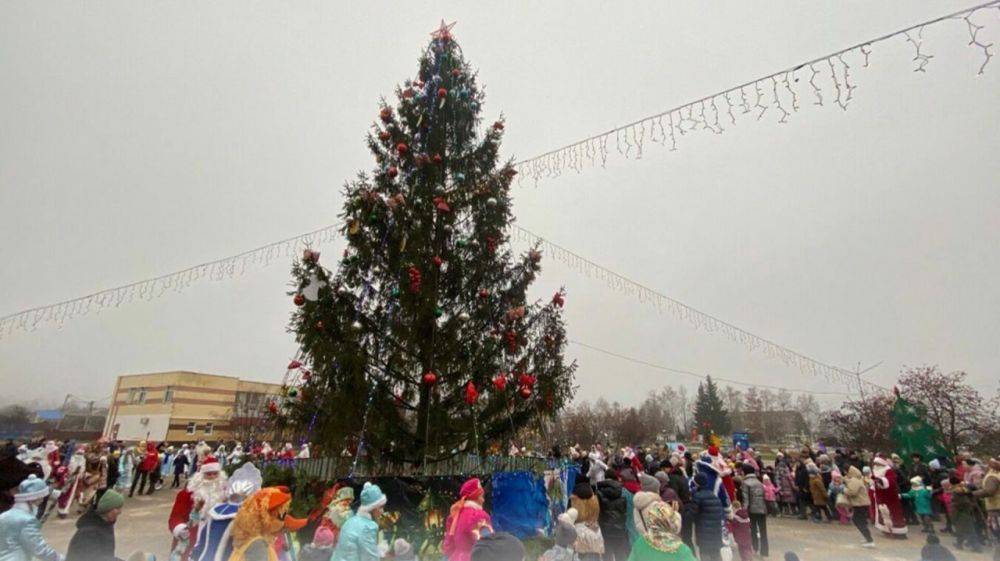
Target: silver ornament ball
point(491, 202)
point(356, 326)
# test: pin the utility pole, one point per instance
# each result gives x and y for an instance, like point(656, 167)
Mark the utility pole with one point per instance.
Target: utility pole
point(858, 372)
point(63, 411)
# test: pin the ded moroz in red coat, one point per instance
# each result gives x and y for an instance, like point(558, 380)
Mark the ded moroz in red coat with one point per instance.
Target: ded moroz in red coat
point(888, 508)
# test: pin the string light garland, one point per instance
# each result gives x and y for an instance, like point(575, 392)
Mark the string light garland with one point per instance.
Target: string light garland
point(698, 374)
point(681, 311)
point(707, 113)
point(148, 289)
point(825, 80)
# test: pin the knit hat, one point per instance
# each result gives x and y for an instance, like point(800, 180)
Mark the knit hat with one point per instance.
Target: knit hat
point(402, 550)
point(500, 546)
point(565, 534)
point(323, 537)
point(210, 465)
point(583, 490)
point(372, 497)
point(110, 500)
point(701, 480)
point(917, 482)
point(569, 516)
point(649, 483)
point(31, 489)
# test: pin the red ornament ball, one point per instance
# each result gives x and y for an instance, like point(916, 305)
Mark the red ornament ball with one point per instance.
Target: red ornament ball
point(483, 293)
point(437, 158)
point(294, 364)
point(525, 392)
point(471, 393)
point(430, 379)
point(385, 114)
point(402, 148)
point(456, 72)
point(498, 126)
point(299, 300)
point(392, 172)
point(438, 261)
point(500, 382)
point(384, 136)
point(442, 93)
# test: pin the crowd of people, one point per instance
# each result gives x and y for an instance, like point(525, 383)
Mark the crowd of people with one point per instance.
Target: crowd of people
point(628, 504)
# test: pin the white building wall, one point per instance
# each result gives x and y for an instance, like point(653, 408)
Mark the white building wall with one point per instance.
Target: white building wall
point(141, 427)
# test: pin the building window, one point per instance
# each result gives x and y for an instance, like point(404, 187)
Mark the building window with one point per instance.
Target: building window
point(168, 396)
point(131, 396)
point(141, 397)
point(208, 428)
point(192, 428)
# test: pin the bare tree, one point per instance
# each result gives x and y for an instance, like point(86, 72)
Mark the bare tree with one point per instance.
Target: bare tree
point(733, 398)
point(864, 423)
point(955, 409)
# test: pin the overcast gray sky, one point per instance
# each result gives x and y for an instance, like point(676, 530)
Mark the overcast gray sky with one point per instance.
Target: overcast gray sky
point(137, 138)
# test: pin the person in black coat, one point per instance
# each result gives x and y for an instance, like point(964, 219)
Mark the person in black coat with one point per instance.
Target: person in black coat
point(802, 489)
point(614, 509)
point(708, 523)
point(94, 539)
point(180, 467)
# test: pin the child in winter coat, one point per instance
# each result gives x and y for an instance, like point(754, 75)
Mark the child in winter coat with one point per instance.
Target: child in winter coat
point(921, 498)
point(838, 499)
point(565, 537)
point(321, 548)
point(739, 529)
point(945, 497)
point(818, 493)
point(770, 496)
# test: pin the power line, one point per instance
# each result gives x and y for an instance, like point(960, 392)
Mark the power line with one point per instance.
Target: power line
point(697, 374)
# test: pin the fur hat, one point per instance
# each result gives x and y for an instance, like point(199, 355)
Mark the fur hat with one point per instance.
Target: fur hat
point(372, 497)
point(31, 489)
point(210, 465)
point(500, 546)
point(583, 490)
point(643, 499)
point(917, 482)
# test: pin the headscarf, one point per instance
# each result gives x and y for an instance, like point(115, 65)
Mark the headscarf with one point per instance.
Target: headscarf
point(471, 490)
point(660, 524)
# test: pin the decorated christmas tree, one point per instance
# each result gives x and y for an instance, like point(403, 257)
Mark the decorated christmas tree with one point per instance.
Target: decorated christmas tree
point(423, 343)
point(912, 434)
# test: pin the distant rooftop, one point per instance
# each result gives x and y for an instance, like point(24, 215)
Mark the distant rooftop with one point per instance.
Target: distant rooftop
point(49, 414)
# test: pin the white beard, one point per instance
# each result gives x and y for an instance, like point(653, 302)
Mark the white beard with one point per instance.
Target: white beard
point(210, 493)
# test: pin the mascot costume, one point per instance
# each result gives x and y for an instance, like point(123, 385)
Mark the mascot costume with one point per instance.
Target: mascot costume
point(260, 521)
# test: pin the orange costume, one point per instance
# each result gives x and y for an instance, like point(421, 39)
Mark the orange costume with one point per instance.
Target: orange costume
point(260, 521)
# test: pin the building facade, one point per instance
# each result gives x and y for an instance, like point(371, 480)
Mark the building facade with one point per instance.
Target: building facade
point(187, 407)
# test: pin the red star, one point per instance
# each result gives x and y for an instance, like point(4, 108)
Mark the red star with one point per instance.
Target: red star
point(443, 32)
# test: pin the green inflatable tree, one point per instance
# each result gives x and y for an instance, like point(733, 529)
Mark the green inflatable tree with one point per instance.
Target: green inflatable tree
point(912, 434)
point(423, 343)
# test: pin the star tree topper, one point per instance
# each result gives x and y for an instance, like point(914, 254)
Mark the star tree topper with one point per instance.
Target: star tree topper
point(444, 31)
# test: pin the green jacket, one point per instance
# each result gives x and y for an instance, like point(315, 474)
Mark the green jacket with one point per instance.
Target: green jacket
point(921, 500)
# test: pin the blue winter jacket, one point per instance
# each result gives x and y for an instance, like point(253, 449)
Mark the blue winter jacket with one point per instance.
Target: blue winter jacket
point(708, 522)
point(21, 537)
point(358, 540)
